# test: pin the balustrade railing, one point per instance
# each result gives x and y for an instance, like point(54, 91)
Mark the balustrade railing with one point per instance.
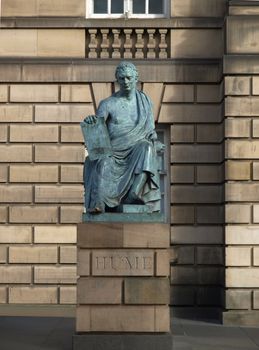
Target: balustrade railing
point(128, 43)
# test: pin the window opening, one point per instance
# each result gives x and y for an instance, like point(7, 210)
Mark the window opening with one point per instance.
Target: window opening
point(129, 8)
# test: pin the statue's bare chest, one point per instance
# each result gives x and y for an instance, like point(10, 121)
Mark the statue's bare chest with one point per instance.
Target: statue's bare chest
point(124, 112)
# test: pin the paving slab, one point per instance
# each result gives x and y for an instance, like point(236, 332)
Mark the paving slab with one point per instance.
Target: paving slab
point(42, 333)
point(181, 343)
point(252, 333)
point(36, 333)
point(221, 336)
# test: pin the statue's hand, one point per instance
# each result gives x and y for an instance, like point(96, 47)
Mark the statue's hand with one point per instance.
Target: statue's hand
point(160, 147)
point(152, 136)
point(91, 119)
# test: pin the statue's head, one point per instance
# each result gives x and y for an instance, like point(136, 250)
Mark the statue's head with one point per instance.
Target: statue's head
point(126, 75)
point(125, 65)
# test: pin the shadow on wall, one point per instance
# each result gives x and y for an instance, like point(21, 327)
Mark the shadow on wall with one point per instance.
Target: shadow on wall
point(197, 178)
point(197, 238)
point(197, 192)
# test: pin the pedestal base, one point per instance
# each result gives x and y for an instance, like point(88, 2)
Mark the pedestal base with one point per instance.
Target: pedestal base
point(123, 341)
point(123, 290)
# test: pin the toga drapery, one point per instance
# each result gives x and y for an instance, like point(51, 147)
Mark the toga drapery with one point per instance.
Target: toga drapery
point(108, 180)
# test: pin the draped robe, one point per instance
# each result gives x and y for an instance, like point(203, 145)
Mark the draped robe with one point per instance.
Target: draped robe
point(108, 180)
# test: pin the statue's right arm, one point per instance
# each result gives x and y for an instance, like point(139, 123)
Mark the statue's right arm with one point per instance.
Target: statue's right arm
point(103, 109)
point(102, 112)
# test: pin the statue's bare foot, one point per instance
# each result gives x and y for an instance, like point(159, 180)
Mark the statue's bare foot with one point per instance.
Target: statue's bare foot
point(95, 211)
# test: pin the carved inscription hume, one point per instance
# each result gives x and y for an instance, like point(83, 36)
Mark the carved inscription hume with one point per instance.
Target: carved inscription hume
point(123, 263)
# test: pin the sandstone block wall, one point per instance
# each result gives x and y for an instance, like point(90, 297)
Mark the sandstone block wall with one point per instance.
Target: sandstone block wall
point(41, 188)
point(241, 154)
point(197, 212)
point(43, 8)
point(51, 85)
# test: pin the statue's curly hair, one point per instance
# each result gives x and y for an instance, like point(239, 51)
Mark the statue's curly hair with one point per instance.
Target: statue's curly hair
point(125, 65)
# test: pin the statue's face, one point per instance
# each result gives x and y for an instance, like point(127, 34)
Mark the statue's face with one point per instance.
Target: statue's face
point(127, 80)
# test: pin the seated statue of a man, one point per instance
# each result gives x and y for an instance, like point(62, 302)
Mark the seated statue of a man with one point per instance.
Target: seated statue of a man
point(130, 174)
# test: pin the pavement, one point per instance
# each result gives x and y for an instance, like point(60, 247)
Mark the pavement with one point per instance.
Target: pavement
point(42, 333)
point(197, 335)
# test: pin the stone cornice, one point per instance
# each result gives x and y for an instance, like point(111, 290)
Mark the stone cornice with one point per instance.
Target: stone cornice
point(78, 22)
point(79, 70)
point(244, 3)
point(241, 64)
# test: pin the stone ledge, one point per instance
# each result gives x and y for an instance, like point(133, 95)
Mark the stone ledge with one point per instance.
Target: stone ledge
point(122, 342)
point(77, 22)
point(232, 19)
point(241, 64)
point(124, 217)
point(243, 3)
point(82, 70)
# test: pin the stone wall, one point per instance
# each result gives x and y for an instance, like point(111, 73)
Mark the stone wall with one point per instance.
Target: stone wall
point(197, 211)
point(242, 196)
point(48, 85)
point(41, 190)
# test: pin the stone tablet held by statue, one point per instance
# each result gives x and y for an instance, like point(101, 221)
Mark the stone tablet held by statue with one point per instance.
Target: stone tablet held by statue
point(96, 139)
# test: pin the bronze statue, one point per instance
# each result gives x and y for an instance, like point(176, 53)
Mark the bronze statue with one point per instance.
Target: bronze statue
point(124, 168)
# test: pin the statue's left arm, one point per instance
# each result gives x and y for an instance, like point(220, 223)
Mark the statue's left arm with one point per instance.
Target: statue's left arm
point(152, 135)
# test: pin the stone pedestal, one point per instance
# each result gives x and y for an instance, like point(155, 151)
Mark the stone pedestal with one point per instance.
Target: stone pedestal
point(123, 287)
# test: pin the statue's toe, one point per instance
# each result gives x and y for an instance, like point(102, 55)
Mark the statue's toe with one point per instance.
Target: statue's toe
point(95, 211)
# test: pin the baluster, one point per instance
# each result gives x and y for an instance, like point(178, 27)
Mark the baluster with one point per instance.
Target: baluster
point(151, 44)
point(128, 43)
point(116, 44)
point(104, 43)
point(93, 43)
point(163, 44)
point(139, 44)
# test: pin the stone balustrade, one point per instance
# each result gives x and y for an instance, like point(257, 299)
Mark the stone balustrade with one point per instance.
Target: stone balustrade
point(127, 43)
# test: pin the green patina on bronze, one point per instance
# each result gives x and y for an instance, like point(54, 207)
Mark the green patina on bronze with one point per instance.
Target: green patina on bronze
point(122, 167)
